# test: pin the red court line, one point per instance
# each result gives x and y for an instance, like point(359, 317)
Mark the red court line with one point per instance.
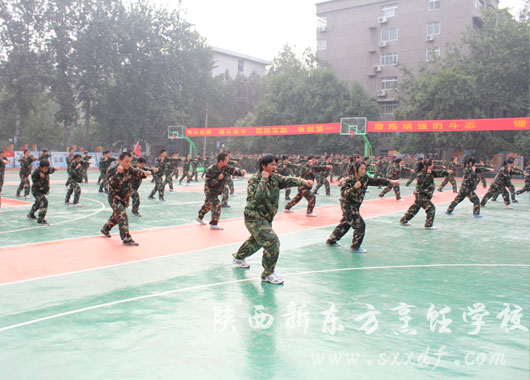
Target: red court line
point(32, 261)
point(8, 202)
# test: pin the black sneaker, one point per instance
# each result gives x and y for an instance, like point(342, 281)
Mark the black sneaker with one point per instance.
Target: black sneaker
point(31, 216)
point(105, 233)
point(515, 201)
point(151, 198)
point(43, 222)
point(131, 243)
point(225, 206)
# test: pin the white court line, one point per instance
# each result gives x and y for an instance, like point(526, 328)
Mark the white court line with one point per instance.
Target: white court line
point(64, 221)
point(127, 300)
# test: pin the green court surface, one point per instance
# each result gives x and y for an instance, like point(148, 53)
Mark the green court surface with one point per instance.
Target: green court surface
point(446, 304)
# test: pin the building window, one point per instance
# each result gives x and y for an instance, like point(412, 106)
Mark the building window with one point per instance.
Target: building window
point(389, 10)
point(433, 28)
point(479, 4)
point(432, 54)
point(322, 44)
point(389, 34)
point(322, 24)
point(388, 83)
point(433, 4)
point(389, 108)
point(240, 65)
point(389, 59)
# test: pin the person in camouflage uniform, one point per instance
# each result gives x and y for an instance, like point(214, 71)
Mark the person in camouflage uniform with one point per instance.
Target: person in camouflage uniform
point(3, 162)
point(468, 186)
point(481, 177)
point(120, 179)
point(352, 191)
point(263, 194)
point(394, 173)
point(502, 180)
point(25, 172)
point(136, 182)
point(161, 163)
point(525, 188)
point(307, 172)
point(185, 169)
point(323, 177)
point(171, 169)
point(104, 166)
point(414, 173)
point(284, 168)
point(39, 189)
point(75, 171)
point(207, 163)
point(511, 188)
point(44, 155)
point(424, 191)
point(84, 166)
point(229, 188)
point(451, 177)
point(196, 162)
point(69, 159)
point(216, 176)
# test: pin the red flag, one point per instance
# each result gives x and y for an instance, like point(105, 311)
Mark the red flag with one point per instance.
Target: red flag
point(137, 149)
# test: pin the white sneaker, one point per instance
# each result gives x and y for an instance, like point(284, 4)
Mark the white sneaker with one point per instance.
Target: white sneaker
point(200, 221)
point(241, 262)
point(400, 200)
point(78, 205)
point(432, 228)
point(287, 211)
point(216, 227)
point(311, 214)
point(508, 207)
point(273, 279)
point(407, 224)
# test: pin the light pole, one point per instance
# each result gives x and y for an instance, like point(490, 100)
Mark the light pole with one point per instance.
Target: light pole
point(205, 126)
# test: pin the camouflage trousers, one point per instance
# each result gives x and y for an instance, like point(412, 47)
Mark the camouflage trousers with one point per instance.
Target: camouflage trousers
point(135, 200)
point(525, 188)
point(512, 193)
point(185, 174)
point(303, 192)
point(424, 203)
point(351, 218)
point(119, 217)
point(101, 177)
point(224, 199)
point(449, 178)
point(103, 185)
point(261, 236)
point(230, 184)
point(412, 178)
point(169, 181)
point(74, 188)
point(495, 190)
point(287, 193)
point(211, 204)
point(463, 193)
point(194, 174)
point(482, 179)
point(24, 184)
point(390, 187)
point(322, 181)
point(41, 205)
point(159, 187)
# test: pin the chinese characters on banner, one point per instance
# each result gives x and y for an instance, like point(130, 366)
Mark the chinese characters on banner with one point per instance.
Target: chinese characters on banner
point(508, 124)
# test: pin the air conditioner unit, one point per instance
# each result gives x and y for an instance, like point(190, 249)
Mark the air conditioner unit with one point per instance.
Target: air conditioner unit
point(377, 69)
point(382, 20)
point(429, 38)
point(381, 93)
point(382, 44)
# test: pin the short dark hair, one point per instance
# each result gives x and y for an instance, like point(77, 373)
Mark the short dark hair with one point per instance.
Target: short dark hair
point(222, 156)
point(310, 157)
point(142, 160)
point(25, 150)
point(77, 156)
point(265, 160)
point(162, 151)
point(398, 160)
point(284, 157)
point(45, 150)
point(125, 154)
point(105, 152)
point(510, 160)
point(44, 163)
point(69, 149)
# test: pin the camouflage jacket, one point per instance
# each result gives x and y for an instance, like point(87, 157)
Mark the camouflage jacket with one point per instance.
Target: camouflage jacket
point(104, 164)
point(162, 166)
point(46, 156)
point(69, 160)
point(41, 186)
point(425, 182)
point(186, 165)
point(284, 169)
point(25, 165)
point(263, 195)
point(350, 195)
point(76, 173)
point(470, 180)
point(215, 186)
point(195, 163)
point(308, 172)
point(394, 171)
point(121, 184)
point(503, 177)
point(137, 180)
point(3, 163)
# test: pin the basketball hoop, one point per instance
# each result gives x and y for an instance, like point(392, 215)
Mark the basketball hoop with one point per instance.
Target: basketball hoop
point(352, 134)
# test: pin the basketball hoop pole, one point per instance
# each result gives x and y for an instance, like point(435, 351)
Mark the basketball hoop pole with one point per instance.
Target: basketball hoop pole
point(205, 126)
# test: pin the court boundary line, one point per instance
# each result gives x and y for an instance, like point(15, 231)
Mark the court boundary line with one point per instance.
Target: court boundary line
point(191, 288)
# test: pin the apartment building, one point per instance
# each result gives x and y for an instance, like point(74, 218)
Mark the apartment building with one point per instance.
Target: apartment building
point(237, 63)
point(364, 40)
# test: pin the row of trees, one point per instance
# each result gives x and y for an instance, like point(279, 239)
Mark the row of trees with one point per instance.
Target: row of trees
point(100, 72)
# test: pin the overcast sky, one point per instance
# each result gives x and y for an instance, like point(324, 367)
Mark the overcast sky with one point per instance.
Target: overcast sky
point(260, 28)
